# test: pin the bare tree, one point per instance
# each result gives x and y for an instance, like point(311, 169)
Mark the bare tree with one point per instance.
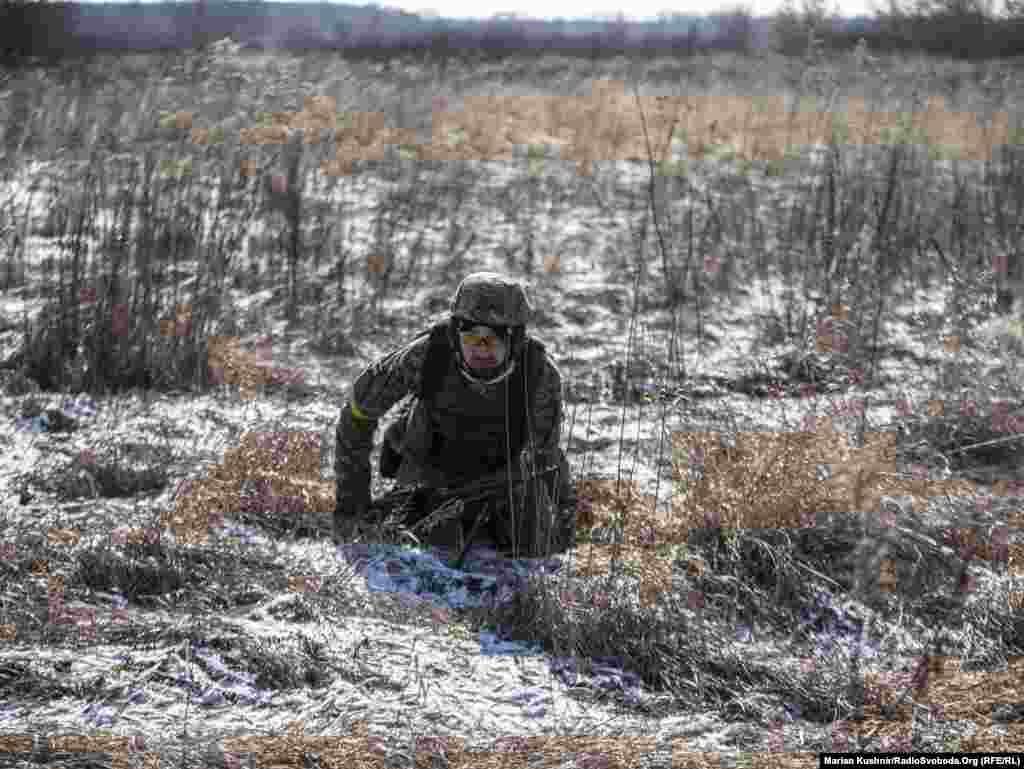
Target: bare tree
point(736, 29)
point(793, 25)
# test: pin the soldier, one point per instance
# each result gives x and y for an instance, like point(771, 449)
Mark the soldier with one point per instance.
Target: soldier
point(485, 402)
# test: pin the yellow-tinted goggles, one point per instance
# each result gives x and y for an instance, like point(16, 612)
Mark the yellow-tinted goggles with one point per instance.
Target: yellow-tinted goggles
point(480, 340)
point(478, 335)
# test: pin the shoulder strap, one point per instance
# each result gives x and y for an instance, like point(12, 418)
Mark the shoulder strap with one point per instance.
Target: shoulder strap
point(436, 362)
point(533, 365)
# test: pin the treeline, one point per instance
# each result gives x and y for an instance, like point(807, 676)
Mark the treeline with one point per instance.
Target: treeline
point(966, 29)
point(959, 29)
point(33, 29)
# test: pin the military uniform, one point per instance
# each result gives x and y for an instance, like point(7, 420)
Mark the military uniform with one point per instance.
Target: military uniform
point(452, 429)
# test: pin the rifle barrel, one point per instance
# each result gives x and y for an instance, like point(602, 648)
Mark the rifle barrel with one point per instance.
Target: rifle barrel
point(489, 483)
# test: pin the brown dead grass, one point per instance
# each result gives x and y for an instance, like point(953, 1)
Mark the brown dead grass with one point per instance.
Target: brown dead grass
point(769, 480)
point(289, 462)
point(607, 126)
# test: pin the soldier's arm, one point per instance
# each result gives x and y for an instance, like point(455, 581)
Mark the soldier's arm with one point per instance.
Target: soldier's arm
point(379, 387)
point(547, 431)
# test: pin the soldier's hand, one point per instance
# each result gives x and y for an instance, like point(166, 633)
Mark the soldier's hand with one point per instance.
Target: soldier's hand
point(352, 500)
point(347, 523)
point(344, 529)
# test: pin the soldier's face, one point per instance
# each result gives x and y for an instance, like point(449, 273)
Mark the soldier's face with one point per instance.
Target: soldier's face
point(482, 347)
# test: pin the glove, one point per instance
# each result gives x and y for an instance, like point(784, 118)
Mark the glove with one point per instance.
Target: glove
point(345, 528)
point(347, 521)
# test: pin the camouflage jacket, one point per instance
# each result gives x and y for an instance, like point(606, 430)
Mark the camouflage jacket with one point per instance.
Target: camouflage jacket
point(390, 379)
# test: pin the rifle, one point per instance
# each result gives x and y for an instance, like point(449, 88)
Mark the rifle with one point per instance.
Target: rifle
point(444, 503)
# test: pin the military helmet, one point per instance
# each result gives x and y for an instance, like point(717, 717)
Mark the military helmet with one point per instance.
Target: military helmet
point(491, 300)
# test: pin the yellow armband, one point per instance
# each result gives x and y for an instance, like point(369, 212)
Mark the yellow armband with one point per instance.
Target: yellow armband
point(359, 415)
point(360, 421)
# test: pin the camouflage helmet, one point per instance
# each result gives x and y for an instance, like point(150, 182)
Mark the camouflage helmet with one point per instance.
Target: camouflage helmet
point(492, 300)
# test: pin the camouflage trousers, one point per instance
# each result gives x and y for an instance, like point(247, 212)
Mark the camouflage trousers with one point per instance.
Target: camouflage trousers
point(538, 518)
